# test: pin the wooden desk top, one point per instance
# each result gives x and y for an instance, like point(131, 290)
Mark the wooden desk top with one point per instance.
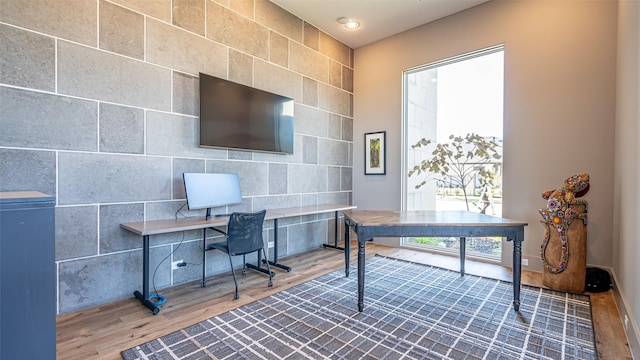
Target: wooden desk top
point(194, 223)
point(447, 218)
point(311, 209)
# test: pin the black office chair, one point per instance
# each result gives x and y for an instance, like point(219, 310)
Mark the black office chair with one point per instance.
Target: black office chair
point(244, 236)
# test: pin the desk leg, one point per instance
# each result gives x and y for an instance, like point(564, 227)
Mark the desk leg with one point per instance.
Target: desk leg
point(335, 233)
point(517, 267)
point(204, 257)
point(144, 296)
point(347, 247)
point(361, 259)
point(463, 246)
point(273, 262)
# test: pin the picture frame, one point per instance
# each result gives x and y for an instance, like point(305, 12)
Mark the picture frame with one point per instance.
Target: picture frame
point(375, 153)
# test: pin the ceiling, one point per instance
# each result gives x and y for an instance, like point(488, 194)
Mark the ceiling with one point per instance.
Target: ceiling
point(378, 18)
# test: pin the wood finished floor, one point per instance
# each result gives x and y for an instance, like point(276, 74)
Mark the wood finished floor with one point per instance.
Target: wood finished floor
point(102, 332)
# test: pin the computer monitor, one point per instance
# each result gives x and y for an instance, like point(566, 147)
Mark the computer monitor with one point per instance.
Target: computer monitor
point(206, 191)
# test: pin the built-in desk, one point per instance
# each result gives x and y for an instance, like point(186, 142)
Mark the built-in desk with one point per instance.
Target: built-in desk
point(147, 228)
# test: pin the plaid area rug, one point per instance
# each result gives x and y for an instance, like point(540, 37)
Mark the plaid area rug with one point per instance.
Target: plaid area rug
point(412, 311)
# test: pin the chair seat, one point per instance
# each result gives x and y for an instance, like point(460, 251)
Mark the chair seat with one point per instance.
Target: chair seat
point(222, 246)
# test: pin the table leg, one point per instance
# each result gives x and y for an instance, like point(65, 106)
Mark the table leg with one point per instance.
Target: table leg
point(463, 246)
point(347, 247)
point(204, 257)
point(144, 296)
point(335, 233)
point(361, 259)
point(517, 267)
point(275, 262)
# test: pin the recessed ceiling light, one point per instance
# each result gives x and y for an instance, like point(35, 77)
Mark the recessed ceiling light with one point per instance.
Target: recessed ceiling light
point(348, 23)
point(352, 24)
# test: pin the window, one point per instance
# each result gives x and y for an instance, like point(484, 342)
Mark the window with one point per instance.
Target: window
point(453, 142)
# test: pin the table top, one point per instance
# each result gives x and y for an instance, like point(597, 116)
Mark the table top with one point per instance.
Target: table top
point(155, 227)
point(447, 218)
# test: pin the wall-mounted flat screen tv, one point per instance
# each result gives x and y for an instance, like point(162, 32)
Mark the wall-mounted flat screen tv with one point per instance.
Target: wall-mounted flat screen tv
point(236, 116)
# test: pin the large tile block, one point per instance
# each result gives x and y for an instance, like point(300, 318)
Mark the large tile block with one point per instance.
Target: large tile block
point(310, 92)
point(346, 178)
point(181, 166)
point(85, 178)
point(191, 253)
point(334, 100)
point(100, 279)
point(113, 238)
point(347, 129)
point(307, 178)
point(278, 179)
point(335, 126)
point(334, 48)
point(275, 202)
point(176, 135)
point(306, 236)
point(159, 9)
point(333, 178)
point(121, 30)
point(333, 152)
point(278, 49)
point(311, 121)
point(28, 170)
point(343, 197)
point(76, 232)
point(309, 150)
point(240, 68)
point(277, 80)
point(309, 62)
point(278, 19)
point(347, 79)
point(311, 36)
point(67, 19)
point(99, 75)
point(26, 59)
point(335, 74)
point(253, 176)
point(222, 26)
point(183, 51)
point(186, 94)
point(189, 15)
point(244, 7)
point(39, 120)
point(121, 129)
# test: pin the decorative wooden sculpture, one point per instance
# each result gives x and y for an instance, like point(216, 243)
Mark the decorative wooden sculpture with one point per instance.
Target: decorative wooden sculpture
point(562, 233)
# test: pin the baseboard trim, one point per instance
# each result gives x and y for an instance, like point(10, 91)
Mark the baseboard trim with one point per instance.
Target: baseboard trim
point(632, 332)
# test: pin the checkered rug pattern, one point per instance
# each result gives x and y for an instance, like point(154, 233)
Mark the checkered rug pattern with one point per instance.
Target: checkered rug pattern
point(412, 311)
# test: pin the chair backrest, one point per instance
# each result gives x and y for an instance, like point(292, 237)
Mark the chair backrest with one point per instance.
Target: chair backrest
point(244, 232)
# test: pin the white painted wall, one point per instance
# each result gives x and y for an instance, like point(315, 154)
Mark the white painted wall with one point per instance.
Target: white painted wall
point(626, 253)
point(559, 115)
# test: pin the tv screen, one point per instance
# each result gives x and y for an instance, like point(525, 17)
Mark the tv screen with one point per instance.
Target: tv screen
point(206, 191)
point(236, 116)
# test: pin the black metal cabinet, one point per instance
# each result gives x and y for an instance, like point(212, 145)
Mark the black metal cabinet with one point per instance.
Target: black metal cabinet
point(28, 276)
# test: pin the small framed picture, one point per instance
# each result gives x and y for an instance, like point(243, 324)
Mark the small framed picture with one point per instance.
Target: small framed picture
point(375, 153)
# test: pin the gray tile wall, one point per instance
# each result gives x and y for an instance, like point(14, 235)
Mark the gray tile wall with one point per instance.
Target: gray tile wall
point(99, 107)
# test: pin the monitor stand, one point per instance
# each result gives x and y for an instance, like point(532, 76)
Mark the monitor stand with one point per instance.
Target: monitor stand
point(208, 216)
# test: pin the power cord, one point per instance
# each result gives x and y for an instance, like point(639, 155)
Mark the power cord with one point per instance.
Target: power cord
point(155, 297)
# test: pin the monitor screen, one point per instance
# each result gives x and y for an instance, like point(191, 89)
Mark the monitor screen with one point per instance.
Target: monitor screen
point(206, 191)
point(237, 116)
